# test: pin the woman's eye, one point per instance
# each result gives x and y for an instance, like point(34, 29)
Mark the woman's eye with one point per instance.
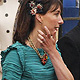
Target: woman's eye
point(56, 14)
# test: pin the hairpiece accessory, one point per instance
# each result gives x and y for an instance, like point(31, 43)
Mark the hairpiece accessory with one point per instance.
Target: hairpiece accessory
point(35, 8)
point(39, 6)
point(32, 4)
point(44, 57)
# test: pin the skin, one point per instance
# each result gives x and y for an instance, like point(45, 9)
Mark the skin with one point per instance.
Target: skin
point(43, 36)
point(52, 19)
point(61, 70)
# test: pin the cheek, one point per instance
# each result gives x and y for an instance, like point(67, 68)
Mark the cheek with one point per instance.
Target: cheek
point(49, 21)
point(52, 23)
point(52, 20)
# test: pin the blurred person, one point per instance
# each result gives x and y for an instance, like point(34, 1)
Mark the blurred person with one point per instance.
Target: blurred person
point(69, 46)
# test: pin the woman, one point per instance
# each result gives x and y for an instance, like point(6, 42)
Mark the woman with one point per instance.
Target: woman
point(34, 56)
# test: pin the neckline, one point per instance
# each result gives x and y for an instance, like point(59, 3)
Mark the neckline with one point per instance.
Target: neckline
point(32, 48)
point(28, 46)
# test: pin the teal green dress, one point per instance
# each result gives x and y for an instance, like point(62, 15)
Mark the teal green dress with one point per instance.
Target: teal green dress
point(20, 62)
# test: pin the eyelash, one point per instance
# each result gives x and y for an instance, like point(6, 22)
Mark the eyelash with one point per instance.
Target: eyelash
point(57, 14)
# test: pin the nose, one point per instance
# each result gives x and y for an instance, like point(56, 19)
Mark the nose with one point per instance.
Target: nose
point(60, 20)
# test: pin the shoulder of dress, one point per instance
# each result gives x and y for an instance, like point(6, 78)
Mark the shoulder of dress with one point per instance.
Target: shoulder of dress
point(16, 47)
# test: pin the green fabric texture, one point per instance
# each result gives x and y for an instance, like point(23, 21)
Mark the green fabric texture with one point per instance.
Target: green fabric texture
point(20, 62)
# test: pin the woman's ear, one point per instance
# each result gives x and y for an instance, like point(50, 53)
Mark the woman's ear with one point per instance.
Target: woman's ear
point(39, 17)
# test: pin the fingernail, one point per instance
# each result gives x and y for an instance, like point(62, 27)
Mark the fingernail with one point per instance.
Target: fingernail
point(38, 30)
point(45, 27)
point(55, 31)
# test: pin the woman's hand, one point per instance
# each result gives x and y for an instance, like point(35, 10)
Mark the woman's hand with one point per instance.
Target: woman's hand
point(47, 41)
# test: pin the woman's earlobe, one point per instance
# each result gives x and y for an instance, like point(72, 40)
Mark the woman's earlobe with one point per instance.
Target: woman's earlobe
point(39, 18)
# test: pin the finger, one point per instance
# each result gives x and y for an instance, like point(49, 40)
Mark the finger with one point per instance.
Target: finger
point(41, 42)
point(47, 31)
point(52, 39)
point(41, 38)
point(41, 33)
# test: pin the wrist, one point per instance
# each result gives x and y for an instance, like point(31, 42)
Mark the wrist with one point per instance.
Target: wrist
point(54, 54)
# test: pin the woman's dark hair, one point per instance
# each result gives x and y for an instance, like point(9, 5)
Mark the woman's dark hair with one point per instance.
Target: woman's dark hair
point(26, 22)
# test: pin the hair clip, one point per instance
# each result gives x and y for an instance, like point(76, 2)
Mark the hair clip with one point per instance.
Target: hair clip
point(32, 4)
point(39, 6)
point(33, 11)
point(35, 8)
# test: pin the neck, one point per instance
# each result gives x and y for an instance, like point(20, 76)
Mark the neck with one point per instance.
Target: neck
point(34, 40)
point(33, 36)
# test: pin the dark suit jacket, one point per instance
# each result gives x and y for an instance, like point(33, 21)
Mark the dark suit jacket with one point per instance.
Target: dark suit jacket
point(69, 46)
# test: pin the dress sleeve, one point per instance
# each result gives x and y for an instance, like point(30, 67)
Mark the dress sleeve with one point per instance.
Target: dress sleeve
point(11, 67)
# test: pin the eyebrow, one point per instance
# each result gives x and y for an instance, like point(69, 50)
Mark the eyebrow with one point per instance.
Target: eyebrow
point(58, 11)
point(55, 10)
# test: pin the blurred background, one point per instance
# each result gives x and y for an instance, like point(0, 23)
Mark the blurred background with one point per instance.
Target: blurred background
point(8, 10)
point(8, 19)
